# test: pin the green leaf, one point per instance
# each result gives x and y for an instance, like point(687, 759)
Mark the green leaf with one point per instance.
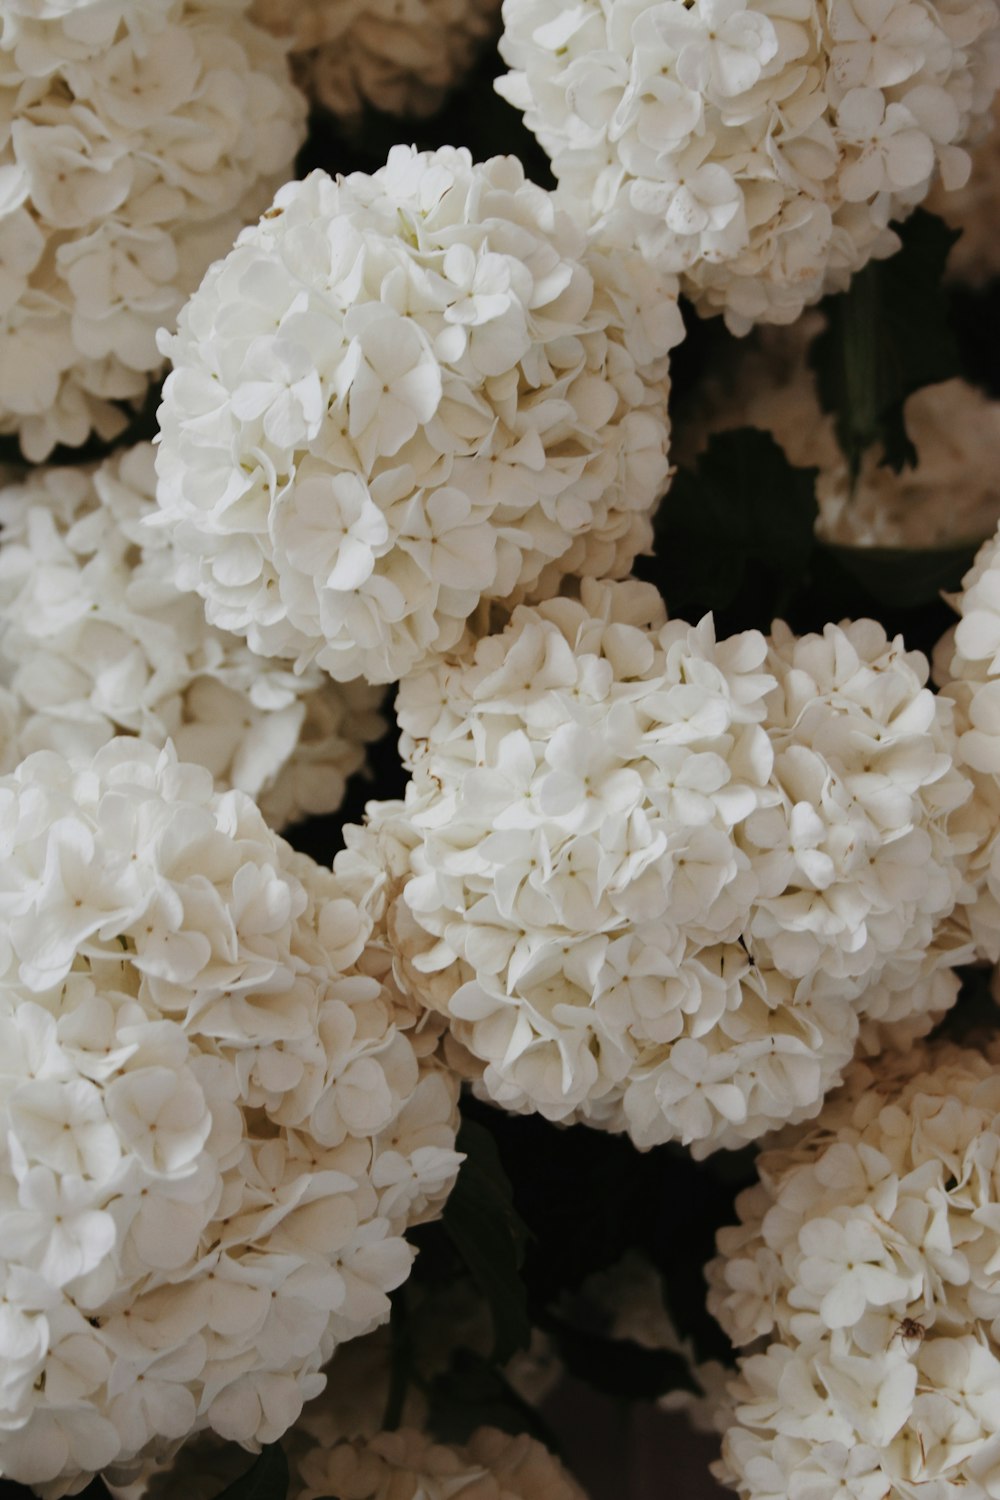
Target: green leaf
point(736, 533)
point(473, 1393)
point(886, 336)
point(266, 1479)
point(907, 576)
point(620, 1367)
point(485, 1229)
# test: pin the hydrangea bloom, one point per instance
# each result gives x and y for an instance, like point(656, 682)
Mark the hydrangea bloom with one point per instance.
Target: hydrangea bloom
point(401, 56)
point(954, 427)
point(96, 640)
point(400, 394)
point(975, 210)
point(216, 1117)
point(759, 150)
point(130, 156)
point(967, 665)
point(409, 1465)
point(862, 1283)
point(654, 879)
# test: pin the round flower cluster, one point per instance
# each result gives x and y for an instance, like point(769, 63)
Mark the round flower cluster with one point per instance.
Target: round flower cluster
point(975, 210)
point(217, 1118)
point(863, 1283)
point(402, 393)
point(954, 427)
point(409, 1465)
point(967, 665)
point(758, 150)
point(138, 139)
point(96, 640)
point(654, 880)
point(400, 56)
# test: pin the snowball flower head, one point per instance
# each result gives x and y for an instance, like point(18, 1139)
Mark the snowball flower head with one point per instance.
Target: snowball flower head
point(967, 665)
point(654, 879)
point(409, 1465)
point(862, 1283)
point(758, 150)
point(954, 427)
point(400, 56)
point(975, 210)
point(217, 1118)
point(400, 394)
point(136, 141)
point(97, 640)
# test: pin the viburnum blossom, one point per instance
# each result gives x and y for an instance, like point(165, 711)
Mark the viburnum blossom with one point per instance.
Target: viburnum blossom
point(137, 140)
point(954, 427)
point(654, 880)
point(975, 210)
point(400, 56)
point(96, 640)
point(967, 665)
point(400, 394)
point(758, 150)
point(409, 1465)
point(862, 1284)
point(209, 1088)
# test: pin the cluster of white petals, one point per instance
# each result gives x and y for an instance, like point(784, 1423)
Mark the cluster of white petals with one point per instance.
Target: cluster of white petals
point(758, 149)
point(975, 210)
point(400, 394)
point(217, 1118)
point(400, 56)
point(136, 139)
point(863, 1283)
point(96, 640)
point(954, 427)
point(655, 880)
point(967, 665)
point(409, 1465)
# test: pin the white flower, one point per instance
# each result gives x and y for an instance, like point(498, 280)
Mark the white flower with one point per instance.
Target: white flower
point(974, 209)
point(409, 1465)
point(759, 151)
point(401, 56)
point(954, 427)
point(655, 881)
point(204, 1065)
point(400, 394)
point(967, 665)
point(862, 1283)
point(96, 640)
point(130, 157)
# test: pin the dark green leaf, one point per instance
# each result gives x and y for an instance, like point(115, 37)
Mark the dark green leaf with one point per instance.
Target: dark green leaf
point(620, 1367)
point(886, 336)
point(737, 531)
point(482, 1224)
point(266, 1479)
point(904, 576)
point(473, 1393)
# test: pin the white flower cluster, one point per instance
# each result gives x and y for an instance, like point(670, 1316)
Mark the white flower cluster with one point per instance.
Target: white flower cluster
point(217, 1118)
point(136, 140)
point(400, 394)
point(654, 880)
point(408, 1465)
point(967, 665)
point(954, 427)
point(758, 149)
point(863, 1283)
point(975, 210)
point(96, 640)
point(401, 56)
